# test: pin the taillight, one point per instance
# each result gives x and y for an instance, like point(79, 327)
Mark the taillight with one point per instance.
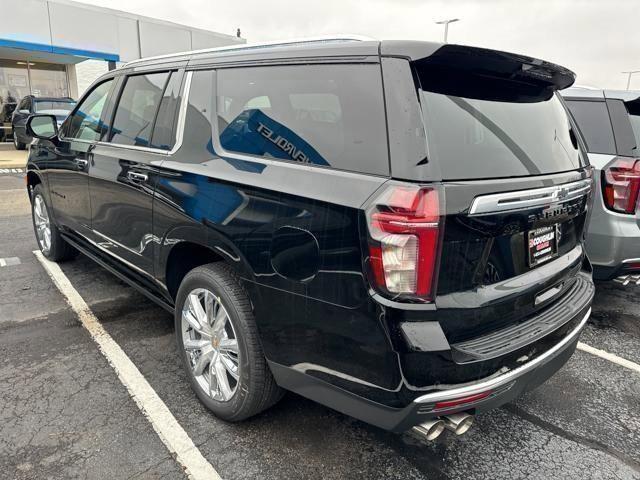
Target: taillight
point(405, 228)
point(621, 184)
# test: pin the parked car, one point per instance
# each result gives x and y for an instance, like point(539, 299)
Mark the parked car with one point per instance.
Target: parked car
point(60, 107)
point(609, 121)
point(393, 229)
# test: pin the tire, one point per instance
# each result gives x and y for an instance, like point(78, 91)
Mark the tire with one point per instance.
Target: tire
point(16, 143)
point(249, 388)
point(51, 244)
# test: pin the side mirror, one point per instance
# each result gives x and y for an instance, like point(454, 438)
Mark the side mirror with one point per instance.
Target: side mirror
point(44, 127)
point(24, 111)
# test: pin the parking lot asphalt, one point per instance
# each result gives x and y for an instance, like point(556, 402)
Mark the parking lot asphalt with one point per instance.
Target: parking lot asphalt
point(66, 414)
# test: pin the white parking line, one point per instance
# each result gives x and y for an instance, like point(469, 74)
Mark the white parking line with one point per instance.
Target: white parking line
point(164, 423)
point(623, 362)
point(9, 261)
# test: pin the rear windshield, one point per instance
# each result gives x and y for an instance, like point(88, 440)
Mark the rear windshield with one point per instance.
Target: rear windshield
point(473, 139)
point(45, 105)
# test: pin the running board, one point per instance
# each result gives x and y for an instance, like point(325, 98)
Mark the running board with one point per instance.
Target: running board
point(121, 275)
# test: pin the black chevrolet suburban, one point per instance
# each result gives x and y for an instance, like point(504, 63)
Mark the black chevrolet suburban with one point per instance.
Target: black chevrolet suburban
point(393, 229)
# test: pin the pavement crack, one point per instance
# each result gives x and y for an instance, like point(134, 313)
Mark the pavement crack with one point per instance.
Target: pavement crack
point(587, 442)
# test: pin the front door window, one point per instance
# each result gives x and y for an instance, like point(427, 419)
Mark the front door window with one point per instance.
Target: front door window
point(86, 123)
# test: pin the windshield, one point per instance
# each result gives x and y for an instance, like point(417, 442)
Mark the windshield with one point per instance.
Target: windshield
point(46, 105)
point(472, 139)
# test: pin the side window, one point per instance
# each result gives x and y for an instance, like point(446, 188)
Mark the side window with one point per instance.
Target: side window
point(622, 128)
point(329, 115)
point(25, 104)
point(136, 110)
point(633, 109)
point(163, 130)
point(85, 123)
point(594, 124)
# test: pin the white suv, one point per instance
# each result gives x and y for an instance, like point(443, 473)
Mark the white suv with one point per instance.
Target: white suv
point(609, 121)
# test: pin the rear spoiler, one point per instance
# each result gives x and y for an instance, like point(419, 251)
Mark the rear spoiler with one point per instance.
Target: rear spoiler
point(627, 96)
point(485, 74)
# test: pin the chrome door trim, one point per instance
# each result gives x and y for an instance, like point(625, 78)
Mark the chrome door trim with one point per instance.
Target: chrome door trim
point(133, 147)
point(523, 199)
point(182, 113)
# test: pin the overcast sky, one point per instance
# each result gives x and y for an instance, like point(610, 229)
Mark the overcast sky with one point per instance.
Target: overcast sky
point(597, 39)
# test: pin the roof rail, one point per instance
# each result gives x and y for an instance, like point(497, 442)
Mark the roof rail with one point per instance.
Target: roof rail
point(251, 46)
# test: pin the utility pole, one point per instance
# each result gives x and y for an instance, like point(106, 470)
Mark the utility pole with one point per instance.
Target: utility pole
point(446, 26)
point(629, 73)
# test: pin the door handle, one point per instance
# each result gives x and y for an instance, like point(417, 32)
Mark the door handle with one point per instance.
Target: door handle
point(137, 177)
point(82, 163)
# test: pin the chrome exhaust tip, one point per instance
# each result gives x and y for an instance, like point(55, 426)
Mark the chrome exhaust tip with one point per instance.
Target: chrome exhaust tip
point(458, 423)
point(430, 430)
point(628, 279)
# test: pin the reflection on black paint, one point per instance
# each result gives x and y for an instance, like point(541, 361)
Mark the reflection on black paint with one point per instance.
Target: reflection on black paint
point(255, 133)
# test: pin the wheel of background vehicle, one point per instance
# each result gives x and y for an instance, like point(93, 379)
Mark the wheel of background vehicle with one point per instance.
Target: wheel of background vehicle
point(218, 341)
point(50, 242)
point(16, 143)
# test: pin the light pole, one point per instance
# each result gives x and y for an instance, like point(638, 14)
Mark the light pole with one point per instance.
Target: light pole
point(629, 73)
point(446, 26)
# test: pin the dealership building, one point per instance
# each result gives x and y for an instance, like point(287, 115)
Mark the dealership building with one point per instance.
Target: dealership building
point(56, 48)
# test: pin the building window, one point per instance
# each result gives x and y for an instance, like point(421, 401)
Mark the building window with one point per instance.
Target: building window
point(14, 85)
point(19, 78)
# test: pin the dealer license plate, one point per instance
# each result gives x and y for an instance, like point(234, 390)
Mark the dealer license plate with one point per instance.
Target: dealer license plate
point(543, 245)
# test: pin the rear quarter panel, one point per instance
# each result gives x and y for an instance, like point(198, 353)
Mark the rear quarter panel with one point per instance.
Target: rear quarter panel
point(291, 232)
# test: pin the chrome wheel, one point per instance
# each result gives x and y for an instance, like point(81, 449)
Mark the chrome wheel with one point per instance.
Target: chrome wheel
point(42, 223)
point(211, 344)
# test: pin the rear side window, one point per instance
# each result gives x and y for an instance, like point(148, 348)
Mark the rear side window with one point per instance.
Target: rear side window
point(136, 110)
point(633, 109)
point(593, 121)
point(622, 129)
point(330, 115)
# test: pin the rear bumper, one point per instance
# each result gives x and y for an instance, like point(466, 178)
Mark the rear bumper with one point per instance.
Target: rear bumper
point(509, 385)
point(620, 269)
point(502, 387)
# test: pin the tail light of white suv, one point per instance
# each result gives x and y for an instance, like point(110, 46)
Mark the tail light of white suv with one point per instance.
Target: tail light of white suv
point(621, 185)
